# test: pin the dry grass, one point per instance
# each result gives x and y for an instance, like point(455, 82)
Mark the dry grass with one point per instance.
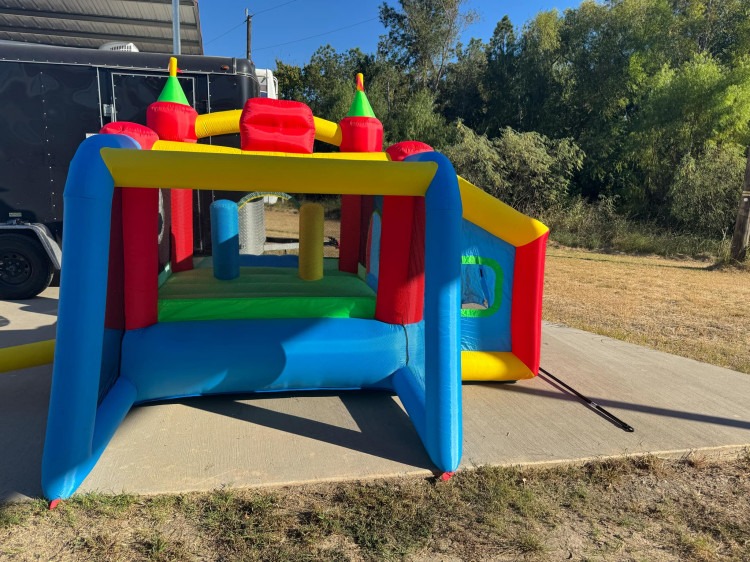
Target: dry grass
point(679, 306)
point(631, 509)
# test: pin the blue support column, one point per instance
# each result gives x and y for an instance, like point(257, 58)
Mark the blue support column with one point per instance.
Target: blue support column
point(225, 239)
point(442, 315)
point(68, 455)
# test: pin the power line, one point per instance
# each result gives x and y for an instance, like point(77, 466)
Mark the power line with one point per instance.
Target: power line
point(317, 35)
point(273, 8)
point(227, 32)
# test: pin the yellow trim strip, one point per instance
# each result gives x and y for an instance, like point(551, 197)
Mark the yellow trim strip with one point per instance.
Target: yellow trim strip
point(292, 174)
point(496, 217)
point(175, 146)
point(493, 366)
point(26, 355)
point(216, 149)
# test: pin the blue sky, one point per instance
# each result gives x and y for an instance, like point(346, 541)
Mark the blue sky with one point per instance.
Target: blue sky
point(292, 30)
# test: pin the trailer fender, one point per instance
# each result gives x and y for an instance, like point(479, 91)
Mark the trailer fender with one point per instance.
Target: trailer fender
point(51, 247)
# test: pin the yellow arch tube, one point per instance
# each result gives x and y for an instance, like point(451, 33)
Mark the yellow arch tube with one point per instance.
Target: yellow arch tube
point(228, 122)
point(27, 355)
point(219, 123)
point(327, 131)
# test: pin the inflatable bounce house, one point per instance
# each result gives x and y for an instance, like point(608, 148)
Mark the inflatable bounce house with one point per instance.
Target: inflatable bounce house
point(436, 280)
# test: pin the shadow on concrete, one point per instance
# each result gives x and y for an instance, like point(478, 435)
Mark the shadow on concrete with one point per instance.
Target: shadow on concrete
point(385, 430)
point(24, 397)
point(38, 305)
point(11, 337)
point(629, 406)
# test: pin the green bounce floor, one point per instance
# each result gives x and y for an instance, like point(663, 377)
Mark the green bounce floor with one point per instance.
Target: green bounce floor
point(264, 292)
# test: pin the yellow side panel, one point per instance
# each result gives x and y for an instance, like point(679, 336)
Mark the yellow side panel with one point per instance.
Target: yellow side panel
point(27, 355)
point(219, 123)
point(496, 217)
point(492, 366)
point(227, 172)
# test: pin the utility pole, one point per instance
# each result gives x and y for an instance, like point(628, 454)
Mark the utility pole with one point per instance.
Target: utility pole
point(249, 22)
point(741, 236)
point(176, 45)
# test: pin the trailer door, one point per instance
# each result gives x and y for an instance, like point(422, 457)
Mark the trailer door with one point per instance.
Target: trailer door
point(133, 93)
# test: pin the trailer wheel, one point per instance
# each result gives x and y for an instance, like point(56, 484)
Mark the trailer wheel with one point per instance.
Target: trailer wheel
point(25, 269)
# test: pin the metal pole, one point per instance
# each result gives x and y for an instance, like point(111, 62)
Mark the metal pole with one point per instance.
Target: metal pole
point(249, 21)
point(176, 46)
point(741, 236)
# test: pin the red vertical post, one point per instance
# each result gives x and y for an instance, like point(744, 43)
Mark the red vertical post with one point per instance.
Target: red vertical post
point(176, 122)
point(139, 247)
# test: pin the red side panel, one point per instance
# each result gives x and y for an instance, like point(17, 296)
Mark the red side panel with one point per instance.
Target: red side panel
point(526, 310)
point(172, 121)
point(140, 228)
point(115, 312)
point(400, 282)
point(176, 122)
point(182, 229)
point(416, 262)
point(350, 233)
point(140, 210)
point(361, 134)
point(277, 126)
point(365, 216)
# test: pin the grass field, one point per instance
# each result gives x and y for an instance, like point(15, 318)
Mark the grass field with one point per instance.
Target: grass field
point(679, 306)
point(634, 509)
point(644, 509)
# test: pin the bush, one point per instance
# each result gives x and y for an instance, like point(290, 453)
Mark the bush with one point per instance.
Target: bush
point(528, 171)
point(706, 190)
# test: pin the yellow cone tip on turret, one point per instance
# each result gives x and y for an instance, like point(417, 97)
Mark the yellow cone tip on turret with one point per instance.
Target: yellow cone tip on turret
point(172, 91)
point(360, 105)
point(173, 67)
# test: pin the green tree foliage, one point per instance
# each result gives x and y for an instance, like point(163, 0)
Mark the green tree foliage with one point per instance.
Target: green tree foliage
point(655, 93)
point(706, 189)
point(526, 170)
point(422, 37)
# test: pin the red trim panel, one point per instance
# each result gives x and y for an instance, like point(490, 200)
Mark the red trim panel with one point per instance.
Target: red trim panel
point(526, 315)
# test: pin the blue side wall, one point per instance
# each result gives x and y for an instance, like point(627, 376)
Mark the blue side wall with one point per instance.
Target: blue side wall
point(491, 332)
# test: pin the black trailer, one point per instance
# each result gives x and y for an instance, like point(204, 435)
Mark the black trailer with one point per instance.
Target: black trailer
point(51, 98)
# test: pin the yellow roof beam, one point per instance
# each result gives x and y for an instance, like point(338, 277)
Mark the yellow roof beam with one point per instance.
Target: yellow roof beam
point(293, 174)
point(496, 217)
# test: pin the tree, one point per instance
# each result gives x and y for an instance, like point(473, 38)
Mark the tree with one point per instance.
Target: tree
point(422, 37)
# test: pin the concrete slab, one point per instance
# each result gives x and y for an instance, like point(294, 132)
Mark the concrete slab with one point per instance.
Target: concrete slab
point(676, 405)
point(30, 320)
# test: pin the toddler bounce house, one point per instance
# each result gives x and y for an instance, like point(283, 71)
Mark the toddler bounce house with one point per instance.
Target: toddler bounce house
point(436, 280)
